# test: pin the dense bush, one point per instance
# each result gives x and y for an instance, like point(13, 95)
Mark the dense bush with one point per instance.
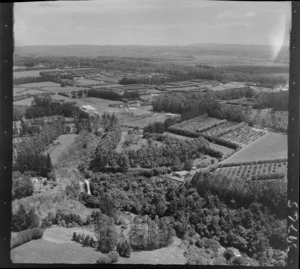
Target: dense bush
point(147, 234)
point(104, 94)
point(65, 220)
point(123, 247)
point(173, 153)
point(106, 234)
point(271, 193)
point(21, 186)
point(26, 236)
point(23, 220)
point(25, 80)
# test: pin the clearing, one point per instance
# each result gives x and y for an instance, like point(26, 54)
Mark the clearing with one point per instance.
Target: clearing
point(56, 246)
point(269, 147)
point(59, 146)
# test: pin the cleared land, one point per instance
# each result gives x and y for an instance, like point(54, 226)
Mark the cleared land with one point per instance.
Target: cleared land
point(271, 146)
point(56, 247)
point(60, 145)
point(24, 102)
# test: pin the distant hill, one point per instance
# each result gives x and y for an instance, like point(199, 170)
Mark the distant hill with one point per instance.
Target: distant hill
point(207, 53)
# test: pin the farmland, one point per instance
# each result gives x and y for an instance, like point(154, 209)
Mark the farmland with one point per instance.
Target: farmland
point(153, 133)
point(244, 170)
point(243, 135)
point(198, 124)
point(270, 146)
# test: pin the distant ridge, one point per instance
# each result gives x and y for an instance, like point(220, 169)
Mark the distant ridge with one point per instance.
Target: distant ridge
point(192, 52)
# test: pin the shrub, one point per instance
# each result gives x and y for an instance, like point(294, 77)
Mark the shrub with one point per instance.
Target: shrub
point(228, 254)
point(109, 258)
point(74, 237)
point(26, 236)
point(124, 249)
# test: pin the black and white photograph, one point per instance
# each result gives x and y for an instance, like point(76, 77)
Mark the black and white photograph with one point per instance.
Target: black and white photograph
point(150, 132)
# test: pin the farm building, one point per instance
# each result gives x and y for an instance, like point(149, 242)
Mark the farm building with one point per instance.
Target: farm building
point(88, 108)
point(170, 115)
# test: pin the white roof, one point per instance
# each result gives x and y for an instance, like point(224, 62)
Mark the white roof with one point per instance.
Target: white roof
point(88, 107)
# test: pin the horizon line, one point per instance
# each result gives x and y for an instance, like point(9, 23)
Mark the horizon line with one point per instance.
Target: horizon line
point(157, 45)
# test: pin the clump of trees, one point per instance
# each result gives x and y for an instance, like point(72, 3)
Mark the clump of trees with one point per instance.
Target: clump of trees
point(23, 220)
point(191, 105)
point(160, 127)
point(85, 240)
point(25, 80)
point(44, 106)
point(147, 234)
point(64, 220)
point(21, 186)
point(272, 193)
point(26, 236)
point(276, 100)
point(173, 153)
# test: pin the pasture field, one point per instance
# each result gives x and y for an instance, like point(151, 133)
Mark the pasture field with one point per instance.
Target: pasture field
point(24, 102)
point(244, 135)
point(86, 82)
point(57, 247)
point(60, 145)
point(198, 124)
point(271, 146)
point(248, 171)
point(39, 84)
point(20, 91)
point(142, 119)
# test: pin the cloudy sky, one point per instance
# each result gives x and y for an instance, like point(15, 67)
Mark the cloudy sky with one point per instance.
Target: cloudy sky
point(151, 22)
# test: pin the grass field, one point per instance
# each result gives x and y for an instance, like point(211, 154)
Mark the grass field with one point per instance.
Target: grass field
point(24, 102)
point(56, 247)
point(60, 145)
point(271, 146)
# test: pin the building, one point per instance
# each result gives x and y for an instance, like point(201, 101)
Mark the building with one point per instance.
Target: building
point(88, 108)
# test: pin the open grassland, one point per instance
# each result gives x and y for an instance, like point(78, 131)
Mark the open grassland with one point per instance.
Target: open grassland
point(47, 252)
point(271, 146)
point(24, 102)
point(173, 254)
point(56, 246)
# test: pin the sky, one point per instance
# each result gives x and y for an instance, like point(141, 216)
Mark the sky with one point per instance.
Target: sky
point(151, 22)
